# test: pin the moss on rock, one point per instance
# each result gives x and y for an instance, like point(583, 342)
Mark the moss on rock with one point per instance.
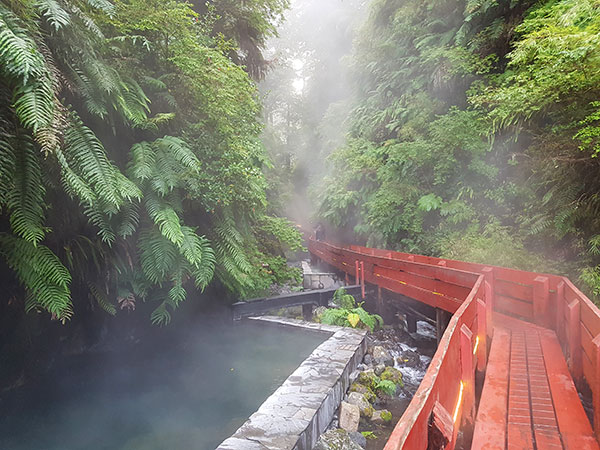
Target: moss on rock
point(393, 375)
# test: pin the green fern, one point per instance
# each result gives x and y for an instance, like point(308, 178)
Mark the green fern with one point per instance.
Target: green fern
point(25, 200)
point(41, 273)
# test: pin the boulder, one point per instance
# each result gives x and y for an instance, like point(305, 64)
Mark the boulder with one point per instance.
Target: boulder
point(408, 358)
point(368, 379)
point(382, 356)
point(379, 368)
point(368, 359)
point(336, 439)
point(349, 416)
point(358, 439)
point(381, 416)
point(362, 389)
point(355, 398)
point(392, 374)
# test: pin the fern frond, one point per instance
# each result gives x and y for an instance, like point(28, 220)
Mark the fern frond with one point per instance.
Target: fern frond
point(157, 255)
point(161, 316)
point(26, 198)
point(179, 150)
point(56, 16)
point(102, 5)
point(41, 272)
point(19, 54)
point(34, 104)
point(166, 218)
point(141, 166)
point(102, 300)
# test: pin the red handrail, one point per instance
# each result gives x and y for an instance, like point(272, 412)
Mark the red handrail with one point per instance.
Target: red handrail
point(472, 291)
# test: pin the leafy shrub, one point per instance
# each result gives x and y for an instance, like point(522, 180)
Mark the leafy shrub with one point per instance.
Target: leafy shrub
point(387, 387)
point(350, 314)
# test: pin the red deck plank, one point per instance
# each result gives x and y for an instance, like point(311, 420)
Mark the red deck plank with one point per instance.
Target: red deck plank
point(573, 423)
point(490, 425)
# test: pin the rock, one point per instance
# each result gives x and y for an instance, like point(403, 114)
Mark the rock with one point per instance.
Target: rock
point(349, 416)
point(408, 358)
point(381, 416)
point(362, 389)
point(379, 368)
point(368, 359)
point(382, 356)
point(337, 439)
point(368, 379)
point(355, 398)
point(358, 439)
point(392, 374)
point(318, 312)
point(354, 376)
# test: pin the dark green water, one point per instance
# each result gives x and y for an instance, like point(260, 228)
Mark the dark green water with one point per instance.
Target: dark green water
point(190, 393)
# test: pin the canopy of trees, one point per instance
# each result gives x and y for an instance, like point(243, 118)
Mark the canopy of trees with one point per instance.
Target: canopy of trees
point(131, 167)
point(475, 133)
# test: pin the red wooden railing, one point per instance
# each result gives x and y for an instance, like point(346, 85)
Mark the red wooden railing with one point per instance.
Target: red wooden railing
point(473, 292)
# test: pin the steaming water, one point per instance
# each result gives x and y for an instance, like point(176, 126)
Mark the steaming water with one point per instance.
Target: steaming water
point(188, 394)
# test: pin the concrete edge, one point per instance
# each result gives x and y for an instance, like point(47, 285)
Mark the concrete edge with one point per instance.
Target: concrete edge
point(302, 408)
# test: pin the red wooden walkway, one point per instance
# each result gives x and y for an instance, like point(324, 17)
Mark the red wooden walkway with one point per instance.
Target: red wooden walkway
point(534, 337)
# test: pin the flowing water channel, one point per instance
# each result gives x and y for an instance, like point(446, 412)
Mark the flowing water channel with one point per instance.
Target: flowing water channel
point(190, 393)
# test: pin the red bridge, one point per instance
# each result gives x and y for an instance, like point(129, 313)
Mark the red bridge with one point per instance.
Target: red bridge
point(533, 338)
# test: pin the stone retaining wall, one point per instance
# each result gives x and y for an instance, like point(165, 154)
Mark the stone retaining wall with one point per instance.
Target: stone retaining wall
point(302, 408)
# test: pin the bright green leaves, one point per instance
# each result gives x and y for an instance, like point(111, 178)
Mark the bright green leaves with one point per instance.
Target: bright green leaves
point(19, 54)
point(54, 13)
point(26, 199)
point(429, 202)
point(42, 274)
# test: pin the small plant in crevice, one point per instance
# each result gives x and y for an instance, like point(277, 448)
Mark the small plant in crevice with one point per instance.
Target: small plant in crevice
point(349, 313)
point(386, 387)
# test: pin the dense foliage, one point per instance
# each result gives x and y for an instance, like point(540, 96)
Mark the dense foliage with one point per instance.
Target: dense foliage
point(130, 158)
point(475, 133)
point(349, 313)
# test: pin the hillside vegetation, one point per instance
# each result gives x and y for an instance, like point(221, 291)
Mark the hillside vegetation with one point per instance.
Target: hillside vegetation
point(474, 134)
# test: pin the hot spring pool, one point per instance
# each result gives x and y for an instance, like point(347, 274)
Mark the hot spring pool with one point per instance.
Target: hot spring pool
point(190, 393)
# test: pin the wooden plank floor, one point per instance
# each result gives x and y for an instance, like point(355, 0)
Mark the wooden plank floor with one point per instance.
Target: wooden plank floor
point(529, 400)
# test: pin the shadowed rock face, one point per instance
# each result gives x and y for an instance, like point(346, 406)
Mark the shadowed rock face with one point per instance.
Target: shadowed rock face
point(304, 405)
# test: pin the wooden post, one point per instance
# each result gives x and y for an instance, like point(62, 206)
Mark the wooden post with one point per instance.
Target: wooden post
point(574, 318)
point(467, 372)
point(541, 299)
point(347, 279)
point(596, 387)
point(362, 279)
point(560, 311)
point(411, 323)
point(488, 273)
point(307, 312)
point(357, 272)
point(379, 301)
point(481, 335)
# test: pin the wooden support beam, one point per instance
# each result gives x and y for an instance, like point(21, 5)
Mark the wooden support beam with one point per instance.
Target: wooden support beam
point(411, 323)
point(362, 279)
point(488, 273)
point(481, 336)
point(596, 387)
point(357, 278)
point(574, 333)
point(307, 312)
point(559, 307)
point(541, 302)
point(467, 373)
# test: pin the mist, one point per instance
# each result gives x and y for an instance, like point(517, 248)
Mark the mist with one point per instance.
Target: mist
point(306, 96)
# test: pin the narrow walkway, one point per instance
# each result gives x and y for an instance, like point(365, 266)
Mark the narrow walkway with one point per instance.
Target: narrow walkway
point(529, 400)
